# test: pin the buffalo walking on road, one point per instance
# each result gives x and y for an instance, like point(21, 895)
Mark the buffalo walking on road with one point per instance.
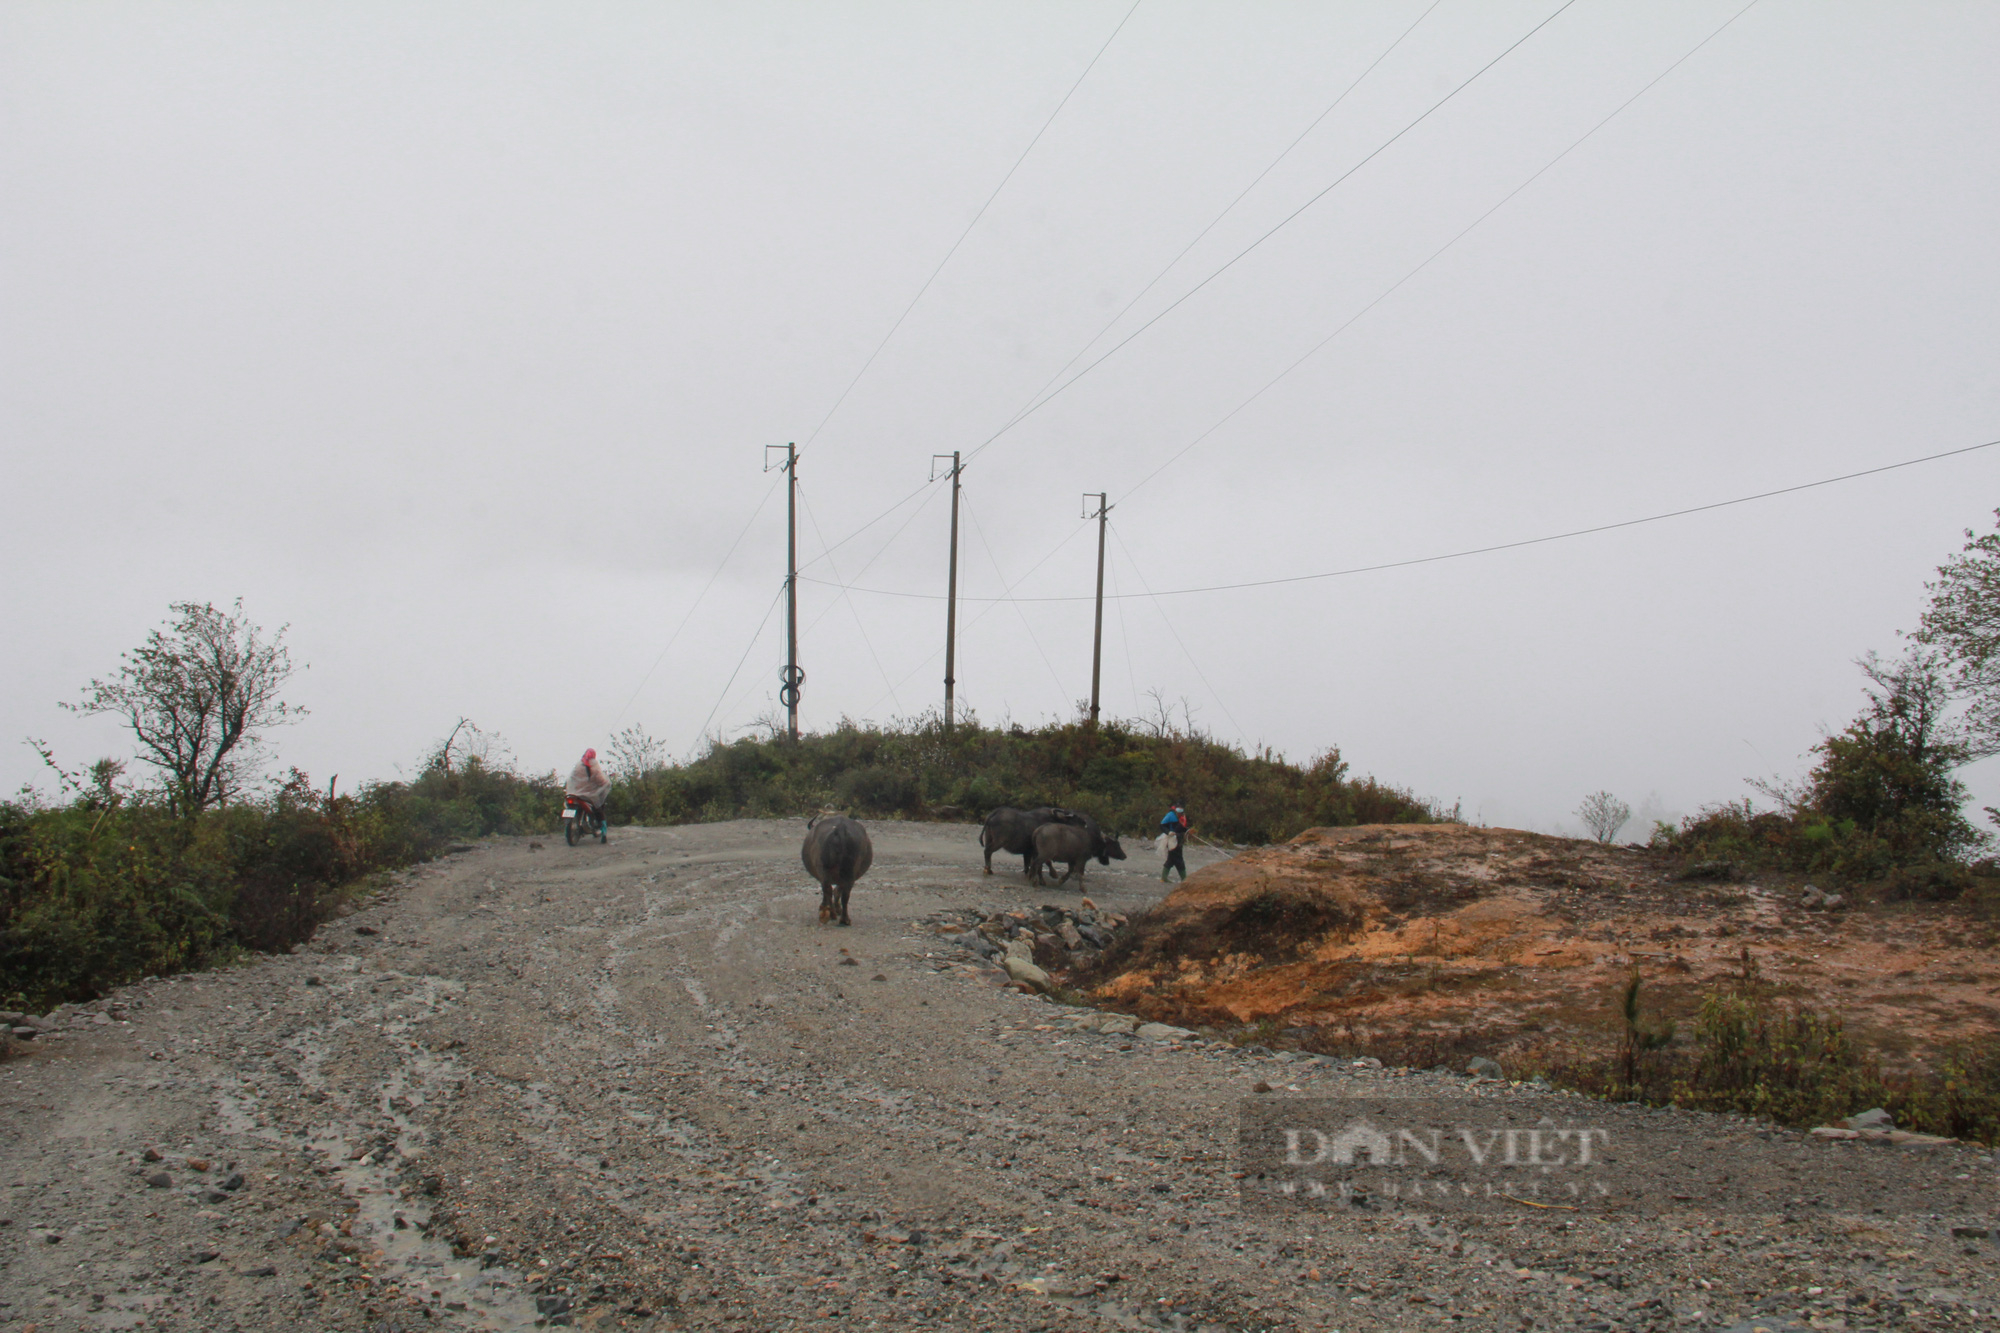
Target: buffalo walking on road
point(1074, 846)
point(836, 853)
point(1011, 830)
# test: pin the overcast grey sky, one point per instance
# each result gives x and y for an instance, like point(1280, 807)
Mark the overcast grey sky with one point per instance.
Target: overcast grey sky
point(452, 336)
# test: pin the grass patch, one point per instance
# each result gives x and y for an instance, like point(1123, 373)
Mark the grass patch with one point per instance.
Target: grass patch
point(1754, 1054)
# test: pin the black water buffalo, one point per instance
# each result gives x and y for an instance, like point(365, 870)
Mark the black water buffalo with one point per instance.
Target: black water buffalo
point(1074, 845)
point(1011, 830)
point(836, 853)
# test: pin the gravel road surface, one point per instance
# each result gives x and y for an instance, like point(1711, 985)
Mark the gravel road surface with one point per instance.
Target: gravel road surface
point(637, 1085)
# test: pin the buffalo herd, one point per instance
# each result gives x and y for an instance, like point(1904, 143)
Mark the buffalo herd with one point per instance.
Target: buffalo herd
point(837, 850)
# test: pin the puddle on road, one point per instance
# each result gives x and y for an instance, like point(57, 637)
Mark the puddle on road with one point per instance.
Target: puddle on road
point(455, 1289)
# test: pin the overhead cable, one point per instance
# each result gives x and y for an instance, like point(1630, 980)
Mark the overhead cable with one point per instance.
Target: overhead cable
point(992, 605)
point(703, 733)
point(828, 551)
point(970, 225)
point(1397, 285)
point(1230, 207)
point(1479, 550)
point(1174, 630)
point(847, 597)
point(1282, 223)
point(675, 636)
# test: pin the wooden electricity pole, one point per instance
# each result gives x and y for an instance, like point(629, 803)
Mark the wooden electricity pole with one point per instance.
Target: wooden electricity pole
point(951, 589)
point(791, 677)
point(1097, 635)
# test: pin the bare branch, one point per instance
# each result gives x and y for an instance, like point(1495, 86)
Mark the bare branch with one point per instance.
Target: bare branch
point(1603, 814)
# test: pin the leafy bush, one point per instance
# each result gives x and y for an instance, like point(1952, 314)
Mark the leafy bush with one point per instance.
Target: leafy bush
point(112, 887)
point(1795, 1065)
point(878, 789)
point(102, 891)
point(1876, 803)
point(1124, 775)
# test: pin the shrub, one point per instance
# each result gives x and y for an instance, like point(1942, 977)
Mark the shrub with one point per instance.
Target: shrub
point(1792, 1064)
point(878, 789)
point(1123, 775)
point(97, 894)
point(1881, 797)
point(107, 889)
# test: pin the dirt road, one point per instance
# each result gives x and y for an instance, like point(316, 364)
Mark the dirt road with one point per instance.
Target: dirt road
point(639, 1086)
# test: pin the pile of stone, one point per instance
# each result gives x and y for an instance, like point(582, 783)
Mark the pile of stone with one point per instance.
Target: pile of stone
point(63, 1018)
point(1819, 900)
point(1123, 1025)
point(1032, 948)
point(1878, 1126)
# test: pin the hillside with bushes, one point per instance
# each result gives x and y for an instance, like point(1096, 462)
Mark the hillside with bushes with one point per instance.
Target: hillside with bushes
point(1122, 774)
point(107, 883)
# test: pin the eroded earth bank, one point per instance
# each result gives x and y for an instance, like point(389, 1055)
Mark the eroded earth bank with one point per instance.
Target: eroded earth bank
point(639, 1086)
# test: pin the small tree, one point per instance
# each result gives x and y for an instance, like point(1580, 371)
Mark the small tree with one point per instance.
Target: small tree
point(1962, 626)
point(468, 744)
point(1603, 814)
point(633, 753)
point(1889, 774)
point(1638, 1037)
point(196, 694)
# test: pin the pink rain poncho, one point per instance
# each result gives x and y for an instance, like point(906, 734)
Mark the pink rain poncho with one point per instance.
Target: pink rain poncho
point(587, 780)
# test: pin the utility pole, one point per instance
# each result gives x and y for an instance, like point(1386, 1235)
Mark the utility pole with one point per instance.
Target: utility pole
point(1097, 635)
point(791, 677)
point(951, 588)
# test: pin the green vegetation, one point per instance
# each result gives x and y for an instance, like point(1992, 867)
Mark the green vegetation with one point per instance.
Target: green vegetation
point(1123, 775)
point(1881, 801)
point(1798, 1066)
point(110, 883)
point(114, 885)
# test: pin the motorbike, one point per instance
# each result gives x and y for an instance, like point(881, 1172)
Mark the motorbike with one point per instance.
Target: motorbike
point(579, 822)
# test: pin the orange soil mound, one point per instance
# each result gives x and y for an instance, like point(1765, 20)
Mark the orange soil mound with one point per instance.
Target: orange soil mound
point(1452, 938)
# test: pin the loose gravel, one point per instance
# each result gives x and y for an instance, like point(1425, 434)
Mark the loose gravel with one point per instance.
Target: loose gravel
point(637, 1085)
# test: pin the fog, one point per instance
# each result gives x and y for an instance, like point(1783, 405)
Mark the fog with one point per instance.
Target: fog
point(453, 337)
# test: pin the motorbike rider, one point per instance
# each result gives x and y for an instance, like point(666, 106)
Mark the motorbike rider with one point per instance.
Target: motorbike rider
point(588, 781)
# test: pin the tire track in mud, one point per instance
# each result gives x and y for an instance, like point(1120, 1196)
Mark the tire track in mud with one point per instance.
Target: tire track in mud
point(389, 1229)
point(635, 1085)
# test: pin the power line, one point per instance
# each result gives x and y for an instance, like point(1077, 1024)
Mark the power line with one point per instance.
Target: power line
point(675, 636)
point(993, 604)
point(1284, 222)
point(1486, 550)
point(1396, 286)
point(847, 597)
point(740, 661)
point(1131, 674)
point(1386, 293)
point(823, 555)
point(970, 225)
point(1230, 207)
point(1026, 624)
point(827, 551)
point(1213, 693)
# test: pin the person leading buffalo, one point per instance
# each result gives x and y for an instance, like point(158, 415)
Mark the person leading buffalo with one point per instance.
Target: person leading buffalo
point(1173, 841)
